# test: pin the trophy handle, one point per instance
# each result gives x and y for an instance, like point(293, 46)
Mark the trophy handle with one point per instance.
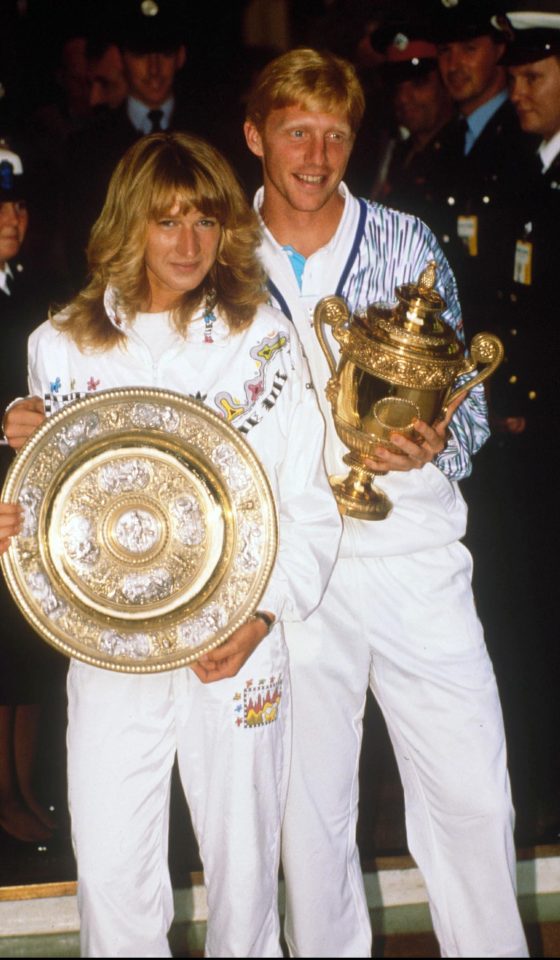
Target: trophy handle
point(334, 311)
point(486, 349)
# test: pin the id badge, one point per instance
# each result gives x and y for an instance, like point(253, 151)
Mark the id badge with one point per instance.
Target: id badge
point(467, 230)
point(523, 262)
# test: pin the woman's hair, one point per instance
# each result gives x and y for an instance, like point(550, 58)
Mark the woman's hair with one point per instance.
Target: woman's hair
point(313, 79)
point(155, 175)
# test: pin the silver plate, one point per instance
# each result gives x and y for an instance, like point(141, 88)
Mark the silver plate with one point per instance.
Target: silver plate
point(149, 530)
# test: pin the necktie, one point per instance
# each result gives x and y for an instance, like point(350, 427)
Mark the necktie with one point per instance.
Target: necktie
point(155, 117)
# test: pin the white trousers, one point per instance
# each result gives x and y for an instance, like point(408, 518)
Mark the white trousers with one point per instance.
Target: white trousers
point(231, 739)
point(407, 627)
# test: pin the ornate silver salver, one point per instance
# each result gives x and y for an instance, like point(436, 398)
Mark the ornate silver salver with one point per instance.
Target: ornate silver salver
point(149, 530)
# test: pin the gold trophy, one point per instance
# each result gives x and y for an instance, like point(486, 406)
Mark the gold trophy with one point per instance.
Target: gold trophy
point(398, 364)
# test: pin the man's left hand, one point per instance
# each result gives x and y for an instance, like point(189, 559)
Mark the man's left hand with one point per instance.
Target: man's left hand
point(413, 455)
point(227, 659)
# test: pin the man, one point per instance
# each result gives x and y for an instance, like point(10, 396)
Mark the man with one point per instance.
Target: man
point(27, 668)
point(108, 86)
point(483, 155)
point(398, 614)
point(422, 106)
point(153, 54)
point(527, 392)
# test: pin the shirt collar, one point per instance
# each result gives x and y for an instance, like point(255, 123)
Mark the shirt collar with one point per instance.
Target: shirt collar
point(195, 330)
point(548, 150)
point(5, 272)
point(346, 218)
point(138, 114)
point(478, 119)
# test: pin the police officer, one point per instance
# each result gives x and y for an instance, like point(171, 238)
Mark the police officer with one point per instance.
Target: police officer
point(483, 154)
point(526, 294)
point(517, 472)
point(422, 106)
point(29, 670)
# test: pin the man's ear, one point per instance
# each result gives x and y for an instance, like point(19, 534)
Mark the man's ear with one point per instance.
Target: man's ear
point(253, 138)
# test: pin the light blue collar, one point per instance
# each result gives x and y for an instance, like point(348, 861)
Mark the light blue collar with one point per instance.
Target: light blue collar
point(480, 117)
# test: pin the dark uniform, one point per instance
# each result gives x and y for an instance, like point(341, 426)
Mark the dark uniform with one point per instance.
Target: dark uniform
point(28, 667)
point(515, 482)
point(409, 182)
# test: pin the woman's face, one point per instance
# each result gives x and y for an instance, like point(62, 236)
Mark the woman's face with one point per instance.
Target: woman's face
point(181, 248)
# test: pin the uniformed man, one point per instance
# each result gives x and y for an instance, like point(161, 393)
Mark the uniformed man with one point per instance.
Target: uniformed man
point(29, 670)
point(517, 473)
point(526, 294)
point(422, 106)
point(483, 155)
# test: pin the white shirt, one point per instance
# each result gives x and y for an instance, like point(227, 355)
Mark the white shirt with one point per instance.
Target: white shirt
point(5, 272)
point(548, 150)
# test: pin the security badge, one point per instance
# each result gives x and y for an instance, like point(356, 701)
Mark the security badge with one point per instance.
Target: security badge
point(523, 260)
point(467, 230)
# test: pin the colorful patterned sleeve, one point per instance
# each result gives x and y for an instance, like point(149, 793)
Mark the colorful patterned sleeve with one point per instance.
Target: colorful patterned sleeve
point(469, 427)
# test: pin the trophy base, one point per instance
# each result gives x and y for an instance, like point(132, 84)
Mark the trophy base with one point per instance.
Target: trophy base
point(356, 497)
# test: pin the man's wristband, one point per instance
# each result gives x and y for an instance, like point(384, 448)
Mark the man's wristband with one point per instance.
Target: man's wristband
point(267, 618)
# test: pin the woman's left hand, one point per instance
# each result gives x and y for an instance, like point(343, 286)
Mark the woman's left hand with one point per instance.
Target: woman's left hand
point(227, 659)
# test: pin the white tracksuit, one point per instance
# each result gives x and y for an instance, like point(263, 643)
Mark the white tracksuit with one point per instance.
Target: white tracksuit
point(398, 616)
point(124, 729)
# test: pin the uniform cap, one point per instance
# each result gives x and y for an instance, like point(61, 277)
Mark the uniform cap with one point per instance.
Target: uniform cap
point(12, 182)
point(150, 26)
point(407, 53)
point(457, 20)
point(534, 34)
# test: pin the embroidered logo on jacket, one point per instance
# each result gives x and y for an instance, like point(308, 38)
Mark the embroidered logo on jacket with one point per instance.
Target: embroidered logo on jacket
point(259, 702)
point(55, 401)
point(255, 390)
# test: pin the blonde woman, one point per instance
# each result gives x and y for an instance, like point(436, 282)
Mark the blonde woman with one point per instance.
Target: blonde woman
point(176, 299)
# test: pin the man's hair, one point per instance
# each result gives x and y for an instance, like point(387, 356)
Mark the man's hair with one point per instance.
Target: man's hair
point(155, 175)
point(314, 79)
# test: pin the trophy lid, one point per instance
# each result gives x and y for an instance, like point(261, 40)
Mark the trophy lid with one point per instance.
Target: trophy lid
point(414, 323)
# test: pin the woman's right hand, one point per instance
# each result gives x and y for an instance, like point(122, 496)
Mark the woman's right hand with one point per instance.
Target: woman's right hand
point(10, 523)
point(20, 420)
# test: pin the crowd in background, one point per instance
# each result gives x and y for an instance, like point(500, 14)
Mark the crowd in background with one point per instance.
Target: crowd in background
point(80, 82)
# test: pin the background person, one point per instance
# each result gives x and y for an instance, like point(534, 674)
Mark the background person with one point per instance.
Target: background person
point(421, 107)
point(28, 669)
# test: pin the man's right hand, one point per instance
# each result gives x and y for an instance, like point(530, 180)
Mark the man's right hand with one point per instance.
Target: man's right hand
point(22, 419)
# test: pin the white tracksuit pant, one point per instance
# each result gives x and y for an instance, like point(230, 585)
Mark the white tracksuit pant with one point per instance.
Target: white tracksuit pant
point(409, 625)
point(123, 733)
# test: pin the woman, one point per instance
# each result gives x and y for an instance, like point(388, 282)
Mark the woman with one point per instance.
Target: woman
point(176, 300)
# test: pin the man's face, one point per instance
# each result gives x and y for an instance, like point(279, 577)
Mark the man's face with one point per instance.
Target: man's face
point(150, 76)
point(180, 251)
point(304, 154)
point(470, 71)
point(108, 85)
point(535, 94)
point(13, 226)
point(421, 103)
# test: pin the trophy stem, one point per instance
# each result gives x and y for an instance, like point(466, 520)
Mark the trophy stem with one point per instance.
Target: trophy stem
point(356, 497)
